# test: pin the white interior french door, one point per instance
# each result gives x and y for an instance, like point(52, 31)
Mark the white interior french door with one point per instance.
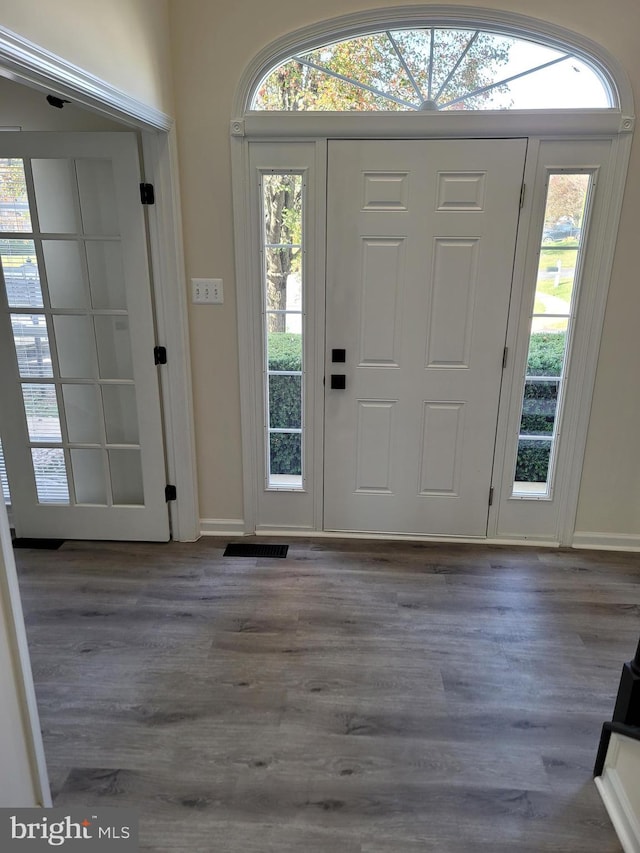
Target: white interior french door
point(80, 419)
point(420, 250)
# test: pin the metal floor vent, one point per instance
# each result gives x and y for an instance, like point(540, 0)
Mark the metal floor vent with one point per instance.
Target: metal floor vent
point(240, 549)
point(40, 544)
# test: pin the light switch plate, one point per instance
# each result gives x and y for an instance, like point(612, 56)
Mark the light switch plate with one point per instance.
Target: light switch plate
point(207, 291)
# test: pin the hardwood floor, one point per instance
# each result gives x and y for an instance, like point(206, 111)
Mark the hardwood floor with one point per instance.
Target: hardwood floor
point(356, 697)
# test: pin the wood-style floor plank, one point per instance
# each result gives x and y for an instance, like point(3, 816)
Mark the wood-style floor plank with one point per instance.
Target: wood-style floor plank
point(356, 697)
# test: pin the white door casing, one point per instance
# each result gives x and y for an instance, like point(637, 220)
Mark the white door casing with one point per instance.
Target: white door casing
point(100, 175)
point(578, 144)
point(420, 248)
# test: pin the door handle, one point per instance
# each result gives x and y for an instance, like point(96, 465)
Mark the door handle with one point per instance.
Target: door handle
point(338, 356)
point(338, 381)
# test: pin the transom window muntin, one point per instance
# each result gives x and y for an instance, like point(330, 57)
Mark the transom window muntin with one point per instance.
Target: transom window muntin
point(568, 194)
point(282, 197)
point(436, 68)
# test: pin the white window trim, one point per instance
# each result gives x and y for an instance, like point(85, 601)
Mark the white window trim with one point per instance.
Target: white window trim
point(279, 482)
point(536, 494)
point(540, 126)
point(265, 505)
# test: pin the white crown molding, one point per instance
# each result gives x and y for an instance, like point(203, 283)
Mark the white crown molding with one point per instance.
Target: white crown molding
point(359, 23)
point(25, 62)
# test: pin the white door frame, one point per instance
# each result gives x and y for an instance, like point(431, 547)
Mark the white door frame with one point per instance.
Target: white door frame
point(29, 64)
point(584, 358)
point(247, 127)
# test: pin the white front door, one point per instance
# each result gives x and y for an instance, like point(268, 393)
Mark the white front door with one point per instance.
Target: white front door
point(80, 417)
point(420, 249)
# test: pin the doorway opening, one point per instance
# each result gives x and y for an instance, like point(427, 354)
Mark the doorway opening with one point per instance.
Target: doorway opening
point(94, 107)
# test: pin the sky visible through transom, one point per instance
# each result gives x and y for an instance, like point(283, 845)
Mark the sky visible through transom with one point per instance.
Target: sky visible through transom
point(432, 69)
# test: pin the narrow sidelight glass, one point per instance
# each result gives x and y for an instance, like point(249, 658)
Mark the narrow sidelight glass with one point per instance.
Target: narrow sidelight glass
point(557, 282)
point(283, 328)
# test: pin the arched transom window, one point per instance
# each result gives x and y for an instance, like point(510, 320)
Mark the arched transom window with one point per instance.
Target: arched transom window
point(433, 69)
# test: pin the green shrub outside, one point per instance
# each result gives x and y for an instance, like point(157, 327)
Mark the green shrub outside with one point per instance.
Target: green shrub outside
point(546, 353)
point(533, 461)
point(285, 353)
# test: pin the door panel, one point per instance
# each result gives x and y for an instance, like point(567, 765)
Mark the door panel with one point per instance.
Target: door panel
point(420, 247)
point(80, 417)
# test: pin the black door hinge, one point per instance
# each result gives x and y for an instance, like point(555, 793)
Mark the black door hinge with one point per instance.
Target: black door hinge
point(160, 355)
point(505, 354)
point(491, 496)
point(170, 493)
point(147, 194)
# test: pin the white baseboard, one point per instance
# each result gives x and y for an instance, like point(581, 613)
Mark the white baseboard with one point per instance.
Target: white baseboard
point(606, 541)
point(274, 530)
point(222, 527)
point(596, 541)
point(306, 532)
point(618, 782)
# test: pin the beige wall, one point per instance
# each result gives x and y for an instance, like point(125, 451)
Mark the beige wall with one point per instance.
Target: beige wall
point(125, 42)
point(212, 42)
point(610, 490)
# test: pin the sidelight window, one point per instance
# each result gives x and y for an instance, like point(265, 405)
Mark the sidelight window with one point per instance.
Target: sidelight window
point(558, 277)
point(282, 196)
